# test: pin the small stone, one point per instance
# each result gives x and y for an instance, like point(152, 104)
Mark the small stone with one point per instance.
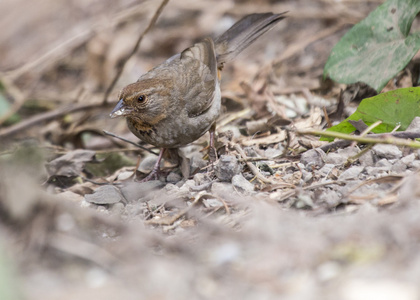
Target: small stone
point(414, 125)
point(335, 158)
point(326, 170)
point(85, 204)
point(272, 152)
point(408, 159)
point(331, 198)
point(415, 164)
point(106, 194)
point(351, 173)
point(348, 151)
point(201, 178)
point(367, 159)
point(387, 151)
point(147, 164)
point(241, 184)
point(173, 177)
point(313, 158)
point(227, 167)
point(117, 208)
point(376, 171)
point(250, 152)
point(197, 162)
point(212, 203)
point(140, 191)
point(399, 167)
point(306, 176)
point(188, 184)
point(223, 190)
point(124, 175)
point(383, 163)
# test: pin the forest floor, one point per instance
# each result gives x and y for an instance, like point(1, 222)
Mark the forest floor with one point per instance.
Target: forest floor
point(280, 215)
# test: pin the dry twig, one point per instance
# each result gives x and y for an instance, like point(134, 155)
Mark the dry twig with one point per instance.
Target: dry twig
point(124, 60)
point(251, 166)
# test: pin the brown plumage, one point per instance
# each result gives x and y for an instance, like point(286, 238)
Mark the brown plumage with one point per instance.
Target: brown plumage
point(178, 101)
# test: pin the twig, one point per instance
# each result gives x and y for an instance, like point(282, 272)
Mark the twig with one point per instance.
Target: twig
point(172, 219)
point(383, 179)
point(251, 166)
point(297, 47)
point(73, 42)
point(353, 158)
point(47, 116)
point(371, 139)
point(130, 142)
point(295, 191)
point(121, 65)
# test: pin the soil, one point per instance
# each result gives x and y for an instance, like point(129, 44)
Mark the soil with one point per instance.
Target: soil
point(277, 215)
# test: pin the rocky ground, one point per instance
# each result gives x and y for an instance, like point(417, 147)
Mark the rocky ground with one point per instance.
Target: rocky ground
point(278, 215)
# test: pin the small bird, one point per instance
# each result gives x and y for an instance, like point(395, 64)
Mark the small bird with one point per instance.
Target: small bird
point(178, 101)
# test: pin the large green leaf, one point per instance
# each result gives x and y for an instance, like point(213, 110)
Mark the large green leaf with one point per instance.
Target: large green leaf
point(398, 107)
point(378, 47)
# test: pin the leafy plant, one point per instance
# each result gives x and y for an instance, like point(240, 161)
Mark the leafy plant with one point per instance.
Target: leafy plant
point(378, 47)
point(398, 107)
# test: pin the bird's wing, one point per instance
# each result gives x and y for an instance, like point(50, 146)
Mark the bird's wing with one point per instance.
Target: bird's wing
point(199, 67)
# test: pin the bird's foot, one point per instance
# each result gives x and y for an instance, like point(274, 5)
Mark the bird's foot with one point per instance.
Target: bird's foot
point(154, 175)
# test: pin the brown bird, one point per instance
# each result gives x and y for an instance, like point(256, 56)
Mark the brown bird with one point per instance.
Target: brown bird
point(179, 100)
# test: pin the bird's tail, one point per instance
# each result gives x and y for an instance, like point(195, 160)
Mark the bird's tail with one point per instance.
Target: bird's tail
point(242, 34)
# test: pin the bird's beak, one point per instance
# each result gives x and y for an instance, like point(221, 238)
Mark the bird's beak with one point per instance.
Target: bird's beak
point(119, 110)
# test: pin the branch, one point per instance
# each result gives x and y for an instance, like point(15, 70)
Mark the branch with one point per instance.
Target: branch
point(124, 60)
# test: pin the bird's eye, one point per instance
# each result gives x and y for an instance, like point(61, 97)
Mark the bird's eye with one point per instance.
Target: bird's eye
point(141, 98)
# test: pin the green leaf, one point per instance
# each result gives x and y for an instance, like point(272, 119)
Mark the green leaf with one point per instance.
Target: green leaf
point(378, 47)
point(398, 107)
point(4, 109)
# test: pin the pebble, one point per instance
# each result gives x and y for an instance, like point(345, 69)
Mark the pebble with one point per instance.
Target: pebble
point(173, 177)
point(387, 151)
point(398, 167)
point(197, 161)
point(223, 190)
point(201, 178)
point(140, 191)
point(117, 208)
point(242, 185)
point(313, 158)
point(383, 163)
point(415, 164)
point(335, 158)
point(212, 203)
point(227, 167)
point(414, 125)
point(351, 173)
point(376, 171)
point(326, 169)
point(147, 164)
point(367, 159)
point(106, 194)
point(408, 159)
point(330, 197)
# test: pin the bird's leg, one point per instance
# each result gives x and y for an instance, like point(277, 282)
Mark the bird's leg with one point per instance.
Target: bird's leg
point(154, 175)
point(212, 148)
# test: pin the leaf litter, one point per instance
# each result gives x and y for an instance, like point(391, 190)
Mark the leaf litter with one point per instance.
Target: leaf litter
point(276, 216)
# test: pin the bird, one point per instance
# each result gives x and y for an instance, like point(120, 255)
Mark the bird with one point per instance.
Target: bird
point(179, 100)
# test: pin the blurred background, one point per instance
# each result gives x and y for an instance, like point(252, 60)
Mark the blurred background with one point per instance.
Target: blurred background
point(58, 58)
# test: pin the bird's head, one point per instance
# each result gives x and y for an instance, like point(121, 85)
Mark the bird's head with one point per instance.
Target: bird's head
point(144, 101)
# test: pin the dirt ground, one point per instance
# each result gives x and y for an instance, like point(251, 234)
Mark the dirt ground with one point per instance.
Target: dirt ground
point(276, 217)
